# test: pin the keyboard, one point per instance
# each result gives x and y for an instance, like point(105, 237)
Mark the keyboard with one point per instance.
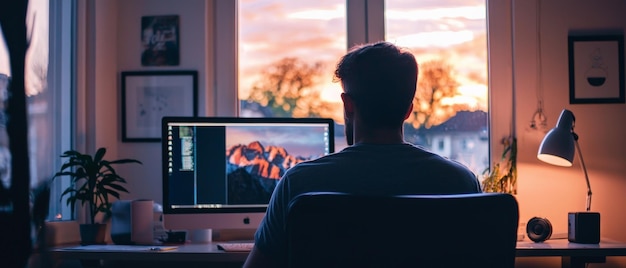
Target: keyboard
point(236, 246)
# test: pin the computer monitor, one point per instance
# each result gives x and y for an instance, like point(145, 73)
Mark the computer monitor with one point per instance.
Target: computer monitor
point(219, 172)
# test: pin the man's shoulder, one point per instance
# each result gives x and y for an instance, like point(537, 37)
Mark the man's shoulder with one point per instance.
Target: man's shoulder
point(324, 161)
point(447, 165)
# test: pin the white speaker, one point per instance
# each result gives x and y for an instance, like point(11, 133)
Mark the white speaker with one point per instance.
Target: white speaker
point(132, 222)
point(141, 217)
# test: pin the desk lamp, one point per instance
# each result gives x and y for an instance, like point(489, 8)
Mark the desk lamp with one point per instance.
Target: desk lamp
point(557, 148)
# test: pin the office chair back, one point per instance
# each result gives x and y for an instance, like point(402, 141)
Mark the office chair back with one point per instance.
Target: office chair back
point(344, 230)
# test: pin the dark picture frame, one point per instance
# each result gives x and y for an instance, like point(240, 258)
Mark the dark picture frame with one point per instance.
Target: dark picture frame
point(596, 69)
point(160, 40)
point(148, 96)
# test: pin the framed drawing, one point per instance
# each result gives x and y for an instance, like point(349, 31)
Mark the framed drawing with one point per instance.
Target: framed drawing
point(159, 37)
point(148, 96)
point(596, 69)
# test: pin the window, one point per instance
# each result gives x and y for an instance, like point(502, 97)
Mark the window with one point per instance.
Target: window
point(441, 145)
point(281, 39)
point(288, 51)
point(450, 44)
point(47, 76)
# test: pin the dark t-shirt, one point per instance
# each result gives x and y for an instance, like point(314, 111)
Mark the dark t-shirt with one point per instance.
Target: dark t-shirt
point(398, 169)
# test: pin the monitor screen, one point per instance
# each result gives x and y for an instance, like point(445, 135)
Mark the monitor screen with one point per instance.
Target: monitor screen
point(220, 172)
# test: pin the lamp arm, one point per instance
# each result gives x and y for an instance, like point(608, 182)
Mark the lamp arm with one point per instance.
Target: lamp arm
point(582, 162)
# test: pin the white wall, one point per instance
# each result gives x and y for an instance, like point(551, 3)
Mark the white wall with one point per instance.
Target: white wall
point(544, 190)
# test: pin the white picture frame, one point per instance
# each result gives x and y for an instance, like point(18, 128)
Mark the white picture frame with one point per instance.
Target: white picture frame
point(148, 96)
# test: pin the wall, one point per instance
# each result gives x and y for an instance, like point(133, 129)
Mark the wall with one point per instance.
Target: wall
point(145, 181)
point(551, 191)
point(544, 190)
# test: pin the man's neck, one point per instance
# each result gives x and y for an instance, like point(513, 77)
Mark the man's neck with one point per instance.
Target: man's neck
point(379, 136)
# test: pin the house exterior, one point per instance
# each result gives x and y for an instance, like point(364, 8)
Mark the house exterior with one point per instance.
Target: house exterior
point(464, 138)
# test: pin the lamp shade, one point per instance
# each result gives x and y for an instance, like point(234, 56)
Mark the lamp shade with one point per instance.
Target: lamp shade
point(557, 147)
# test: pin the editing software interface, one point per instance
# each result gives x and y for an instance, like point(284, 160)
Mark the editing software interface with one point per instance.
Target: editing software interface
point(230, 165)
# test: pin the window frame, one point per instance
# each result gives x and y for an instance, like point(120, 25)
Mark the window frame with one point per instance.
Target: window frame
point(60, 70)
point(64, 74)
point(501, 88)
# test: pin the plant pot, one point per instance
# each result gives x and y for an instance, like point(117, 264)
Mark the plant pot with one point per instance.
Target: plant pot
point(92, 234)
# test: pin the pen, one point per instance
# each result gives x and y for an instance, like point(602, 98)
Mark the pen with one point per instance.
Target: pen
point(161, 248)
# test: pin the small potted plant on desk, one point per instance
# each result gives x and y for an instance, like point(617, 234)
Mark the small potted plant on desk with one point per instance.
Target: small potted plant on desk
point(93, 182)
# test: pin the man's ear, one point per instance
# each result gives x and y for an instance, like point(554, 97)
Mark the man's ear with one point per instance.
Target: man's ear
point(348, 105)
point(409, 111)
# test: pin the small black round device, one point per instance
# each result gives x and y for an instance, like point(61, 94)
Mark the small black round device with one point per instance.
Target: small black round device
point(539, 229)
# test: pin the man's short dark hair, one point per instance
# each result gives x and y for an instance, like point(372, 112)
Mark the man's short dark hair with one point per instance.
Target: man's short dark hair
point(381, 79)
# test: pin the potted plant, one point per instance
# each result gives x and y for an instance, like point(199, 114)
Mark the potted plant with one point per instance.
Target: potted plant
point(93, 182)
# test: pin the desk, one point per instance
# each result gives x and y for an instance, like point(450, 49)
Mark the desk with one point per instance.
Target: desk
point(189, 253)
point(573, 255)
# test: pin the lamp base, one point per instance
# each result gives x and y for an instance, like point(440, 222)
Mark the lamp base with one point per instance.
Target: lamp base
point(583, 227)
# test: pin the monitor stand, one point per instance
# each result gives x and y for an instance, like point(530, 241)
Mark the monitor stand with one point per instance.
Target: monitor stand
point(201, 236)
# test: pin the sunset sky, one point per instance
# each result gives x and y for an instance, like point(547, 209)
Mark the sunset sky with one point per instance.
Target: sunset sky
point(297, 141)
point(453, 30)
point(270, 30)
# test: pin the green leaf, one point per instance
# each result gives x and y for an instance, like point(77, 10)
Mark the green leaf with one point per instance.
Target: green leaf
point(109, 178)
point(99, 154)
point(70, 153)
point(66, 173)
point(126, 161)
point(102, 209)
point(115, 194)
point(68, 190)
point(118, 187)
point(108, 166)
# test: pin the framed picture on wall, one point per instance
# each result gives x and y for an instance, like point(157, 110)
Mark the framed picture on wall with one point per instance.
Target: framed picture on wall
point(148, 96)
point(159, 36)
point(596, 69)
